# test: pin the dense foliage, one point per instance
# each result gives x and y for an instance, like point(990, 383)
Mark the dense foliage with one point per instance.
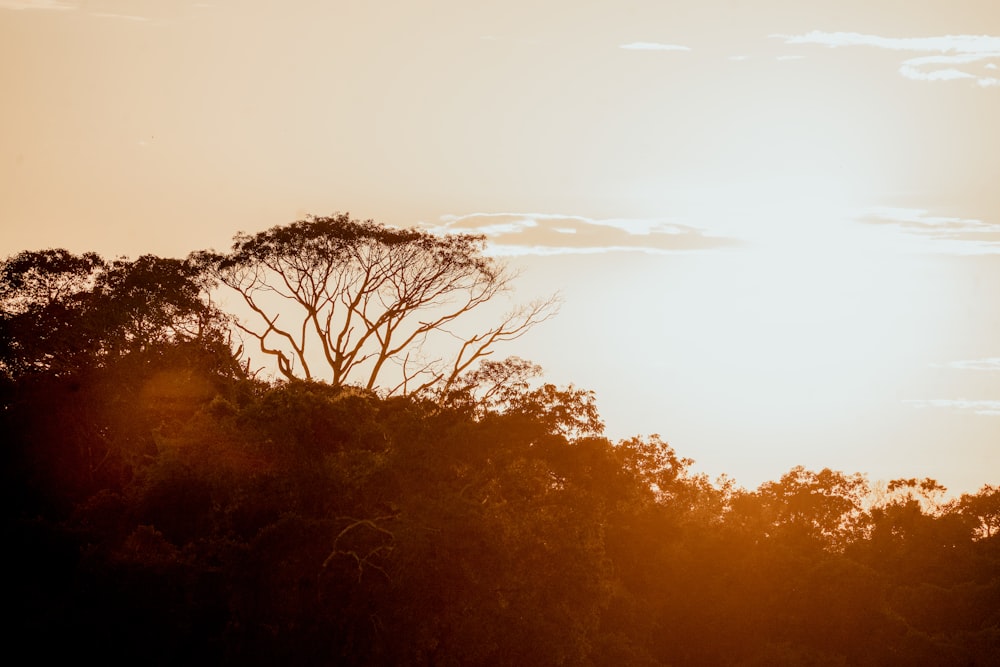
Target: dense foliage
point(162, 506)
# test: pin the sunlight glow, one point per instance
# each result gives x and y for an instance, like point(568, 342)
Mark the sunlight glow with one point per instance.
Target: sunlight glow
point(812, 317)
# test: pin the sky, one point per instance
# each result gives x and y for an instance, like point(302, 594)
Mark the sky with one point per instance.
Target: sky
point(774, 225)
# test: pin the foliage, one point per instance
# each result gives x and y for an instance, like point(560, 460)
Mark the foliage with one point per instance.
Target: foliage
point(983, 508)
point(62, 313)
point(164, 507)
point(824, 506)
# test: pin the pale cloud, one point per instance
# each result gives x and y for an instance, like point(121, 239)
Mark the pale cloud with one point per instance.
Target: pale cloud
point(945, 234)
point(935, 75)
point(987, 364)
point(127, 17)
point(130, 10)
point(739, 58)
point(784, 58)
point(922, 68)
point(988, 408)
point(653, 46)
point(957, 53)
point(36, 4)
point(552, 234)
point(944, 44)
point(918, 218)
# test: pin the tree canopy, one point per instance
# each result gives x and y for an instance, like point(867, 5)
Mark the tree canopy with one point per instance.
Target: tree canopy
point(370, 304)
point(62, 312)
point(162, 504)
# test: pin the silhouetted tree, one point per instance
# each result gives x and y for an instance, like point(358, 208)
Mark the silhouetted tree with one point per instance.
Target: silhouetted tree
point(359, 297)
point(983, 508)
point(156, 496)
point(154, 300)
point(824, 506)
point(61, 312)
point(45, 297)
point(96, 355)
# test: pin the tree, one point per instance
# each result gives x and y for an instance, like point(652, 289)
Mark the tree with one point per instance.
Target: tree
point(983, 508)
point(493, 386)
point(61, 312)
point(33, 279)
point(154, 300)
point(369, 301)
point(95, 356)
point(44, 295)
point(824, 505)
point(926, 493)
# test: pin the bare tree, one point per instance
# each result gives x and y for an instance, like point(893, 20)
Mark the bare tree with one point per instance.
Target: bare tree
point(364, 298)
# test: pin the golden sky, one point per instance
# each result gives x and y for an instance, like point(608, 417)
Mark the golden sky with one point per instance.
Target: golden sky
point(775, 224)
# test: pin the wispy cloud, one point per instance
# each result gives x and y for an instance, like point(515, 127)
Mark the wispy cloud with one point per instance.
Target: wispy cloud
point(36, 4)
point(979, 407)
point(130, 10)
point(653, 46)
point(943, 44)
point(552, 234)
point(987, 364)
point(959, 54)
point(965, 236)
point(126, 17)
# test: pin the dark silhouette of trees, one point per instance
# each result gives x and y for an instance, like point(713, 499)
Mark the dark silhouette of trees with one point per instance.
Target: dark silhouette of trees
point(370, 303)
point(45, 297)
point(824, 506)
point(983, 510)
point(161, 505)
point(90, 351)
point(63, 312)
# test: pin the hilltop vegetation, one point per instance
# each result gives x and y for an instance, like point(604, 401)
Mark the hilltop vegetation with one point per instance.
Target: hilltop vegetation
point(165, 505)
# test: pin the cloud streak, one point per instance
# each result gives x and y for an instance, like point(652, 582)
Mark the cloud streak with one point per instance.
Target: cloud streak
point(126, 17)
point(987, 408)
point(963, 236)
point(958, 54)
point(36, 4)
point(130, 10)
point(653, 46)
point(944, 44)
point(551, 234)
point(987, 364)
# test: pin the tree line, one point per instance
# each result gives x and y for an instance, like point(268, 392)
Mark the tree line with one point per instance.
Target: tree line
point(397, 495)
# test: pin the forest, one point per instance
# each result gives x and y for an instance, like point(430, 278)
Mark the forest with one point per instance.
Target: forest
point(392, 493)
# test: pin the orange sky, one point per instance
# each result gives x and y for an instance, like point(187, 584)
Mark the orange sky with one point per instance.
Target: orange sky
point(775, 225)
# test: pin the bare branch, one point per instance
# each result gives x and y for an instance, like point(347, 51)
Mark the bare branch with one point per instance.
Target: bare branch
point(386, 540)
point(365, 295)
